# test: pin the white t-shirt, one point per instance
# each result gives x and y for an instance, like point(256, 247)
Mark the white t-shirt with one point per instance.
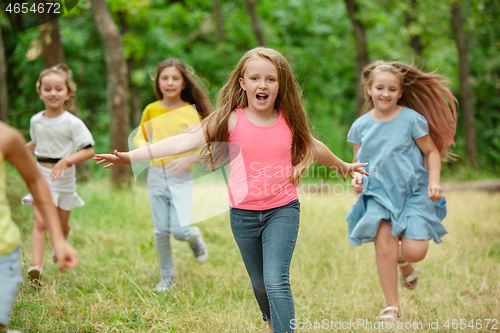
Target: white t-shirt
point(59, 137)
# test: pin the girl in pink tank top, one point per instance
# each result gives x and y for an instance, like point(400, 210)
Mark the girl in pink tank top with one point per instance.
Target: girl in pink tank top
point(260, 115)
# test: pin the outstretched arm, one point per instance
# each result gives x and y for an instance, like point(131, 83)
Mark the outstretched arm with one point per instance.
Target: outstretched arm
point(174, 145)
point(431, 152)
point(328, 159)
point(15, 152)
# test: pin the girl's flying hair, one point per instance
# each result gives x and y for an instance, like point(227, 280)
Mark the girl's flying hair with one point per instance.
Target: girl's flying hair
point(65, 72)
point(192, 93)
point(232, 97)
point(424, 93)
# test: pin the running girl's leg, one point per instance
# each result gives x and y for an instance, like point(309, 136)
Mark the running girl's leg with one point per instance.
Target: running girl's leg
point(411, 251)
point(278, 243)
point(386, 249)
point(64, 218)
point(247, 227)
point(38, 238)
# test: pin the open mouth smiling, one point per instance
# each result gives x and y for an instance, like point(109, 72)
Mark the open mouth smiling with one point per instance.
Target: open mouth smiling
point(262, 97)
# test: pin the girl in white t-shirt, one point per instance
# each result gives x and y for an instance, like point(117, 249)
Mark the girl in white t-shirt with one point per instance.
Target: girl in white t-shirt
point(59, 140)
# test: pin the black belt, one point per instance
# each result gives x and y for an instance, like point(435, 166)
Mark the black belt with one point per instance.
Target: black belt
point(47, 160)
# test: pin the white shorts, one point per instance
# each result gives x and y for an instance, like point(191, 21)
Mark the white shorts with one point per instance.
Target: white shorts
point(62, 189)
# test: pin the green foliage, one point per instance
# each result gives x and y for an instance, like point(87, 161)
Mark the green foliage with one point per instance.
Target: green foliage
point(314, 35)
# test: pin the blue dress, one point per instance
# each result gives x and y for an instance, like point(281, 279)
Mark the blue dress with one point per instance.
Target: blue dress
point(396, 190)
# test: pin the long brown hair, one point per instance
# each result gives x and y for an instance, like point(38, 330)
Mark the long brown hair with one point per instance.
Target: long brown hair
point(64, 71)
point(424, 93)
point(232, 97)
point(193, 93)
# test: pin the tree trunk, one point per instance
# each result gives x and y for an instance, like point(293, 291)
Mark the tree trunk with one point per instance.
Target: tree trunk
point(361, 51)
point(465, 92)
point(4, 93)
point(219, 20)
point(415, 42)
point(117, 86)
point(135, 97)
point(255, 22)
point(53, 52)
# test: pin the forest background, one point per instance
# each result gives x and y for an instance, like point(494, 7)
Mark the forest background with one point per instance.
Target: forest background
point(114, 46)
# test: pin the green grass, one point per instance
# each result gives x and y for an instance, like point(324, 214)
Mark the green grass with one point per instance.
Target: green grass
point(111, 290)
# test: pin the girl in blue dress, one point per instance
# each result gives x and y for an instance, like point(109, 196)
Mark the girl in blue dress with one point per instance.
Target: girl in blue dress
point(407, 131)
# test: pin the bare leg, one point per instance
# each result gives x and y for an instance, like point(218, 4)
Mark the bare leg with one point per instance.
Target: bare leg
point(386, 248)
point(38, 238)
point(64, 218)
point(270, 327)
point(411, 250)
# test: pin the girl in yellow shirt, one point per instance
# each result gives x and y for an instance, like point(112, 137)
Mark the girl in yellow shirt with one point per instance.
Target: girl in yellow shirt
point(170, 179)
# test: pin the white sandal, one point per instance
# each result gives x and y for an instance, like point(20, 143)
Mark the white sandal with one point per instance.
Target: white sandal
point(35, 275)
point(411, 281)
point(389, 314)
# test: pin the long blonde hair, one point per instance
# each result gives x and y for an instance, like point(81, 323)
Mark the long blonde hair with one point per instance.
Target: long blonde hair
point(64, 71)
point(424, 93)
point(232, 97)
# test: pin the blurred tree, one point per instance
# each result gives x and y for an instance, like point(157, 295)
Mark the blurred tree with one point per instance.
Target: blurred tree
point(220, 21)
point(117, 87)
point(465, 91)
point(257, 28)
point(361, 51)
point(414, 31)
point(53, 53)
point(4, 92)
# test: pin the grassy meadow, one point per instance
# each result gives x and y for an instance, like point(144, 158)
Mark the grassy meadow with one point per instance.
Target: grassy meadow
point(111, 290)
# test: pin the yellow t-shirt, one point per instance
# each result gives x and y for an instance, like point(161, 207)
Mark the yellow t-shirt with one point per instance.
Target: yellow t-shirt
point(158, 123)
point(10, 235)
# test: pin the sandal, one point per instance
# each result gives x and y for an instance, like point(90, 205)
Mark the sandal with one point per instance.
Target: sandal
point(35, 275)
point(411, 281)
point(389, 314)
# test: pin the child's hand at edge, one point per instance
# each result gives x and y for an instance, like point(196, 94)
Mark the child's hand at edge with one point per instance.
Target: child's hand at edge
point(435, 191)
point(59, 169)
point(67, 256)
point(357, 183)
point(349, 168)
point(115, 159)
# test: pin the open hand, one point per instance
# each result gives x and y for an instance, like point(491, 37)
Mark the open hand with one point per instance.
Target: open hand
point(115, 159)
point(58, 169)
point(349, 168)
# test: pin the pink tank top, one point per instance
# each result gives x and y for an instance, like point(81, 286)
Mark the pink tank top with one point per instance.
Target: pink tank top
point(261, 165)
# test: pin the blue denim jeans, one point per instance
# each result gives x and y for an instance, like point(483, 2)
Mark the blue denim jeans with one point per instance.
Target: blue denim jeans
point(266, 240)
point(166, 193)
point(10, 278)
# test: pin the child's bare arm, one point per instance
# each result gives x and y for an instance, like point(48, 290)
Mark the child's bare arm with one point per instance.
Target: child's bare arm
point(431, 152)
point(174, 145)
point(18, 156)
point(328, 159)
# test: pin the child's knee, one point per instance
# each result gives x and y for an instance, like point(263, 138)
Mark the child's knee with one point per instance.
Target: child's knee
point(40, 225)
point(415, 250)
